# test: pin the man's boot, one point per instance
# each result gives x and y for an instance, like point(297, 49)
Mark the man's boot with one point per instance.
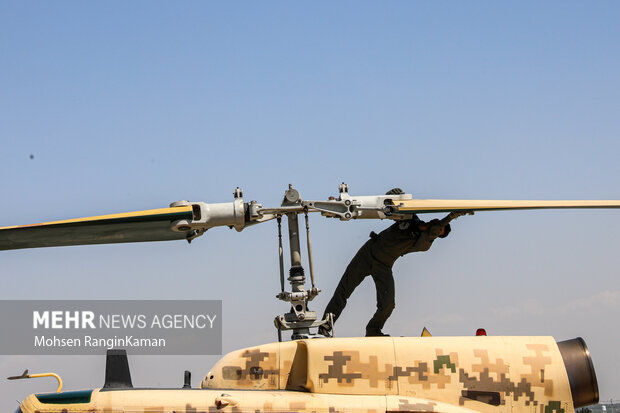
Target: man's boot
point(325, 331)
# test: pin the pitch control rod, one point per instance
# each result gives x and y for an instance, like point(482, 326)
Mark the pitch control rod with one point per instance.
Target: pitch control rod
point(281, 254)
point(310, 261)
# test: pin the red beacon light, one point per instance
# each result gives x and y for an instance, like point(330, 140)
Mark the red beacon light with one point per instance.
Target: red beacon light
point(481, 332)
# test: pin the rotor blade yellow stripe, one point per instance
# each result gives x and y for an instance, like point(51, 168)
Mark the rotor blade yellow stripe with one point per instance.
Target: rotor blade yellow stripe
point(446, 205)
point(120, 216)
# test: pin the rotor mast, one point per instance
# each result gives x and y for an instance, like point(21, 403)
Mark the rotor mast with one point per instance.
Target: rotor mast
point(299, 318)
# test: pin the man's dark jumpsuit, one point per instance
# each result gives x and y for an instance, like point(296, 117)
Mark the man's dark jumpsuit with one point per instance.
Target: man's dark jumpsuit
point(376, 258)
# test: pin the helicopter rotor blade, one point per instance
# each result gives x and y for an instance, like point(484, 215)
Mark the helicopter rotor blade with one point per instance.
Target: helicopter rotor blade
point(185, 220)
point(417, 206)
point(137, 226)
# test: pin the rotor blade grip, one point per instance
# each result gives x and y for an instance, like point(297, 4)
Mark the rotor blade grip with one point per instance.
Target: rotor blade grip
point(231, 214)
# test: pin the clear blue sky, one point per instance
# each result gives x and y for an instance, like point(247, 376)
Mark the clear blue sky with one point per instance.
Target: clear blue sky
point(133, 105)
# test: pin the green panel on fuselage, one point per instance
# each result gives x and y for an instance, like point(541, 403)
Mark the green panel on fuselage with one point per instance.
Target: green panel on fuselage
point(69, 397)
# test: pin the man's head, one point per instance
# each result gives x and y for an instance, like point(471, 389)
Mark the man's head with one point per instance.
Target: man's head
point(446, 231)
point(439, 230)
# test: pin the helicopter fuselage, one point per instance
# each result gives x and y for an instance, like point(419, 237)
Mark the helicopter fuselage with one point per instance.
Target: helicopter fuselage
point(378, 374)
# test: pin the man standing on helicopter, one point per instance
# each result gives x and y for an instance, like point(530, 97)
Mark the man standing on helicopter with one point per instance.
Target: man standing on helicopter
point(376, 258)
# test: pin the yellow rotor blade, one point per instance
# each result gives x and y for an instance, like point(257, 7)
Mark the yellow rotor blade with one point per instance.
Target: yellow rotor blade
point(138, 226)
point(416, 206)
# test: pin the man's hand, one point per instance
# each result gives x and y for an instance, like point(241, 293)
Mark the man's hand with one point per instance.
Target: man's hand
point(455, 214)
